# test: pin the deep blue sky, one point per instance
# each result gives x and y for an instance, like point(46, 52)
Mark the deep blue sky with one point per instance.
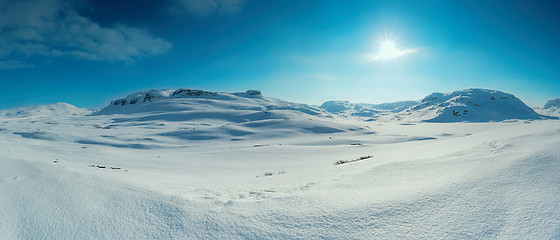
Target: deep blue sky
point(88, 52)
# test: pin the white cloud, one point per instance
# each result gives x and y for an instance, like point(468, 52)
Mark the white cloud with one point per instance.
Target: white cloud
point(202, 8)
point(51, 28)
point(393, 54)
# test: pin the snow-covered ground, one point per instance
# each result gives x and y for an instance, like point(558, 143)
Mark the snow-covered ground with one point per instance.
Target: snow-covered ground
point(203, 165)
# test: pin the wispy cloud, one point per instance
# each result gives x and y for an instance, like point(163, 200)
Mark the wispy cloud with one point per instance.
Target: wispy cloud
point(13, 64)
point(52, 28)
point(392, 54)
point(203, 8)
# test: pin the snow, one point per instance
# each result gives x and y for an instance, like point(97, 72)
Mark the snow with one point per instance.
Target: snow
point(346, 108)
point(51, 110)
point(206, 165)
point(553, 103)
point(470, 105)
point(551, 108)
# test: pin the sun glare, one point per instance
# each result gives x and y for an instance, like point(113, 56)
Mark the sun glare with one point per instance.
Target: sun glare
point(388, 50)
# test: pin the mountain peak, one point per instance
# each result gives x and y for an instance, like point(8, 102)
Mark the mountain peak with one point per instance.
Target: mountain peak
point(471, 105)
point(554, 103)
point(154, 95)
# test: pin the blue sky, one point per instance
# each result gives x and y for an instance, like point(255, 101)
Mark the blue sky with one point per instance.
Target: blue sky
point(88, 52)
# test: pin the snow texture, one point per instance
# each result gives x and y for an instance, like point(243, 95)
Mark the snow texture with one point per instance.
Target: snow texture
point(192, 164)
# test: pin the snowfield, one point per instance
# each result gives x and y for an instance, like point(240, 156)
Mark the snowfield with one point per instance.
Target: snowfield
point(192, 164)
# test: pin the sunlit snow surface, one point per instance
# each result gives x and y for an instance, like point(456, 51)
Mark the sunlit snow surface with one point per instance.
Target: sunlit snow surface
point(235, 170)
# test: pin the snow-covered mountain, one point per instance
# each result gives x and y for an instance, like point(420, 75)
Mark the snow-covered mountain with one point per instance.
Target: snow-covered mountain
point(551, 108)
point(59, 110)
point(553, 104)
point(470, 105)
point(214, 115)
point(364, 109)
point(162, 101)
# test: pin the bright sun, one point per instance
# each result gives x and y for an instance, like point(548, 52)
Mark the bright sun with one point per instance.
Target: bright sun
point(388, 50)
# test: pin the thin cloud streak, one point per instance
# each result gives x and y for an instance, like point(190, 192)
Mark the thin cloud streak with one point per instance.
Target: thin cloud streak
point(205, 8)
point(394, 55)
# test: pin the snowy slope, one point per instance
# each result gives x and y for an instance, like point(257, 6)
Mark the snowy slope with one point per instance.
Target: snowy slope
point(346, 108)
point(151, 170)
point(194, 99)
point(470, 105)
point(204, 115)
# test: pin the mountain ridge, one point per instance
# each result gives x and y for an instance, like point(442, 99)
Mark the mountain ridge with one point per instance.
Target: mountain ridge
point(60, 109)
point(470, 105)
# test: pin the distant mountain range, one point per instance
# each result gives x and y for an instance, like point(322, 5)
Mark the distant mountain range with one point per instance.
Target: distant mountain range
point(57, 110)
point(364, 109)
point(470, 105)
